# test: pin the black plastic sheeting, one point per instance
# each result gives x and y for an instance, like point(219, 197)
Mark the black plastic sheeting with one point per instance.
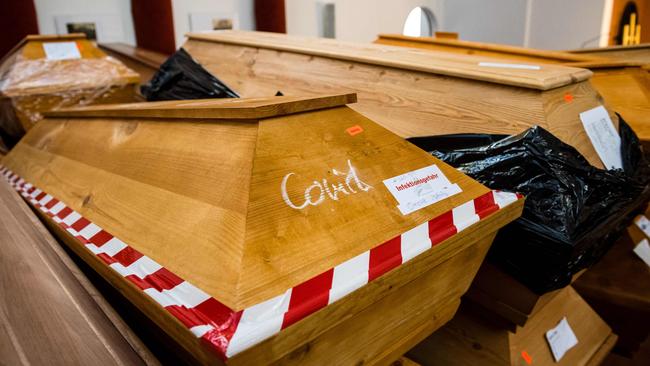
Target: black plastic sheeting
point(573, 212)
point(181, 77)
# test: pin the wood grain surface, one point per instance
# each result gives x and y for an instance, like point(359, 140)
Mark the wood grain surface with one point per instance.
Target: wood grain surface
point(406, 101)
point(203, 199)
point(622, 82)
point(181, 187)
point(227, 108)
point(47, 316)
point(548, 78)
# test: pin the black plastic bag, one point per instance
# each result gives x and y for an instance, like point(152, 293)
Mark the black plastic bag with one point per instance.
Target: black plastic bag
point(573, 211)
point(180, 77)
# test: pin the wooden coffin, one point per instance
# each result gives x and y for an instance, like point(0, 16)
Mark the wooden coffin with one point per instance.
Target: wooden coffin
point(475, 338)
point(407, 91)
point(50, 314)
point(506, 297)
point(212, 217)
point(145, 62)
point(618, 288)
point(77, 73)
point(623, 83)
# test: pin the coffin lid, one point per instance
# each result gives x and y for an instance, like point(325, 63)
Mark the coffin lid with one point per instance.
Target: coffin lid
point(248, 108)
point(26, 70)
point(532, 52)
point(615, 48)
point(202, 195)
point(561, 57)
point(462, 66)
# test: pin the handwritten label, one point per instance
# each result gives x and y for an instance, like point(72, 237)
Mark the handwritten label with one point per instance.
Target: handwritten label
point(643, 251)
point(561, 339)
point(510, 66)
point(61, 50)
point(643, 223)
point(319, 190)
point(420, 188)
point(603, 136)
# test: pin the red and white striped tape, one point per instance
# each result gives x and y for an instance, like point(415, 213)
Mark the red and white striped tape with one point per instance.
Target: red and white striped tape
point(229, 331)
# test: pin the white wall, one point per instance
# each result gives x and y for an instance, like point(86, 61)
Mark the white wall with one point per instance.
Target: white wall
point(550, 24)
point(202, 12)
point(356, 20)
point(566, 24)
point(112, 19)
point(495, 21)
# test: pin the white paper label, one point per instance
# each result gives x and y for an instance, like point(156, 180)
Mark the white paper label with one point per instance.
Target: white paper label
point(643, 251)
point(510, 66)
point(61, 50)
point(561, 339)
point(603, 136)
point(643, 223)
point(420, 188)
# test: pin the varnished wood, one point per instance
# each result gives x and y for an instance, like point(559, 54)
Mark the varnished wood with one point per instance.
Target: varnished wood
point(408, 99)
point(473, 338)
point(47, 316)
point(159, 184)
point(41, 38)
point(33, 84)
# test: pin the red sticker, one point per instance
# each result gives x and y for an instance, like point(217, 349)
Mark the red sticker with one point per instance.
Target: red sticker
point(526, 357)
point(568, 97)
point(354, 130)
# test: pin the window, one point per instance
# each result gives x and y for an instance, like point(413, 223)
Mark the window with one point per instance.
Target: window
point(420, 23)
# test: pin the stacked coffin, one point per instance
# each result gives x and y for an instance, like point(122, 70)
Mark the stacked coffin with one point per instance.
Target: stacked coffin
point(257, 230)
point(48, 72)
point(625, 85)
point(411, 92)
point(420, 93)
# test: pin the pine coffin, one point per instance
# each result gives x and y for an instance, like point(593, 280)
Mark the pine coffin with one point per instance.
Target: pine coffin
point(623, 83)
point(406, 90)
point(211, 216)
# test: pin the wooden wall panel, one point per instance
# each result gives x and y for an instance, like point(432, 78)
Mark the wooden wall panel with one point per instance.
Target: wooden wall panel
point(270, 16)
point(17, 19)
point(154, 25)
